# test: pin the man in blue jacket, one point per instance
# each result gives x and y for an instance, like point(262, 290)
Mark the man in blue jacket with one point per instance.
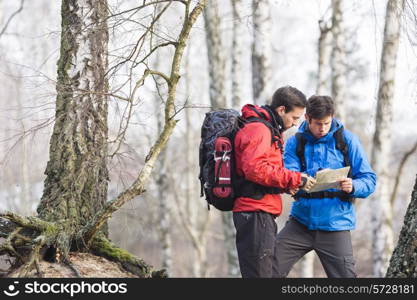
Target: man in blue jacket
point(322, 221)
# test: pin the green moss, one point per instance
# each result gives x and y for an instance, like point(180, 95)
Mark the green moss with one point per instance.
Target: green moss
point(109, 249)
point(51, 230)
point(103, 247)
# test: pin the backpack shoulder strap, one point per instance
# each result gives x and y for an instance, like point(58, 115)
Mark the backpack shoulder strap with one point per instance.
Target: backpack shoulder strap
point(301, 142)
point(342, 147)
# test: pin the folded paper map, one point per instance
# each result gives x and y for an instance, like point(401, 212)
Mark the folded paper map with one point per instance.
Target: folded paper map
point(329, 179)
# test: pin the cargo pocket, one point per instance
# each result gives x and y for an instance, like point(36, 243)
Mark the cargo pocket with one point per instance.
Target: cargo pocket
point(349, 262)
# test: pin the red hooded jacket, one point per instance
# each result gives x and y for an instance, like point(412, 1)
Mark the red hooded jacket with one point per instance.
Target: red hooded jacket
point(260, 161)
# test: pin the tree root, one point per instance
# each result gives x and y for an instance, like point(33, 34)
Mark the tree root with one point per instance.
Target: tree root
point(71, 266)
point(101, 246)
point(31, 239)
point(33, 261)
point(25, 238)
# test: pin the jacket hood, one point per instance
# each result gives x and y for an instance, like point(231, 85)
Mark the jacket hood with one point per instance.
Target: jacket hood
point(247, 112)
point(336, 124)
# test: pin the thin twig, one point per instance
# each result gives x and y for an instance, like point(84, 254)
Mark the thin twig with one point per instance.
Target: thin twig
point(400, 169)
point(11, 17)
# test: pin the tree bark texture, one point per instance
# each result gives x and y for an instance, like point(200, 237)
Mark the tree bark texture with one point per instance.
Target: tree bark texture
point(165, 211)
point(307, 261)
point(261, 51)
point(76, 174)
point(382, 231)
point(216, 60)
point(218, 100)
point(403, 263)
point(162, 181)
point(323, 58)
point(237, 54)
point(338, 61)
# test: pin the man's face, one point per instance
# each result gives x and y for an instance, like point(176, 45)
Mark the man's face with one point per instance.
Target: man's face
point(290, 118)
point(319, 127)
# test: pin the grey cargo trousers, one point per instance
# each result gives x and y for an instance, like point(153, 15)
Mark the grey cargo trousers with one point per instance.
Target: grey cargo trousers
point(334, 248)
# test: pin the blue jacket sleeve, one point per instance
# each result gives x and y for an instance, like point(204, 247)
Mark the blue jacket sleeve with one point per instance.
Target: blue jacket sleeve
point(364, 178)
point(291, 160)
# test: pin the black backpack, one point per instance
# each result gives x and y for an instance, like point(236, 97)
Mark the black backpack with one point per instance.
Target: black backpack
point(218, 178)
point(342, 147)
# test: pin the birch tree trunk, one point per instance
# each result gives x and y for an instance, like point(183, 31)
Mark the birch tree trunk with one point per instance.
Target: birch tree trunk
point(76, 174)
point(165, 208)
point(338, 61)
point(216, 61)
point(162, 181)
point(307, 261)
point(261, 51)
point(323, 57)
point(164, 212)
point(403, 263)
point(382, 232)
point(218, 100)
point(196, 218)
point(191, 205)
point(237, 54)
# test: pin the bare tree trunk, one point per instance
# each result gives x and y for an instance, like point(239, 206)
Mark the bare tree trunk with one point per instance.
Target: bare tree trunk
point(323, 55)
point(165, 209)
point(382, 232)
point(307, 265)
point(307, 261)
point(261, 51)
point(338, 61)
point(191, 205)
point(215, 52)
point(162, 181)
point(229, 232)
point(403, 263)
point(218, 100)
point(77, 176)
point(237, 54)
point(164, 212)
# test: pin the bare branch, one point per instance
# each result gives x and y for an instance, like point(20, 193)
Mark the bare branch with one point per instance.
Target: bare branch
point(400, 169)
point(11, 17)
point(153, 50)
point(143, 6)
point(141, 40)
point(138, 186)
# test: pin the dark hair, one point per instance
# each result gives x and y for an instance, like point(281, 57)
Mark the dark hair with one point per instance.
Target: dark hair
point(319, 107)
point(289, 97)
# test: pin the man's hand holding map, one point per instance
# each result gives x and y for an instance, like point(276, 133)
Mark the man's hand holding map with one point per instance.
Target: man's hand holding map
point(329, 179)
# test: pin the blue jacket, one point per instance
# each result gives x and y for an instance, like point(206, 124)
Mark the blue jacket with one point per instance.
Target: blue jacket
point(329, 214)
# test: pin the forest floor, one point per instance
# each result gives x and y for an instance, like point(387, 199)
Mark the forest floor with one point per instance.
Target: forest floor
point(87, 265)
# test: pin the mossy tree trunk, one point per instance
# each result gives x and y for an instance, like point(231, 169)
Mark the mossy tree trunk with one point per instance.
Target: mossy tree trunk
point(403, 263)
point(76, 174)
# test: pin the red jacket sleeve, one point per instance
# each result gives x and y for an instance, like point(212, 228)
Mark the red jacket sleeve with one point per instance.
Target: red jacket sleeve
point(260, 161)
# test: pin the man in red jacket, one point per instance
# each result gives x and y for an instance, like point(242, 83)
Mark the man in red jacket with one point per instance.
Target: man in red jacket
point(259, 160)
